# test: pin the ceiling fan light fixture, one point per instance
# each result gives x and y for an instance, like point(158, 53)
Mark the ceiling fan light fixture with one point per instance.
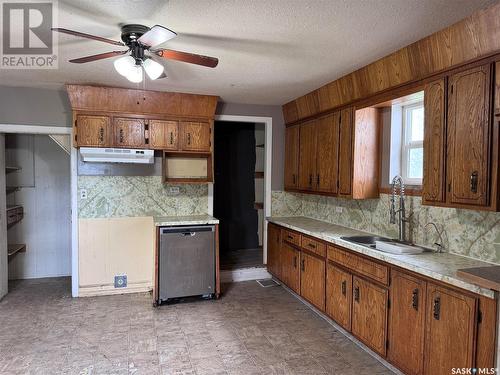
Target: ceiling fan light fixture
point(135, 74)
point(152, 68)
point(124, 65)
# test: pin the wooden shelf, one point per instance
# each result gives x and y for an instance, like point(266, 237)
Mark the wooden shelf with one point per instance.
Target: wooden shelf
point(11, 169)
point(13, 249)
point(260, 146)
point(15, 214)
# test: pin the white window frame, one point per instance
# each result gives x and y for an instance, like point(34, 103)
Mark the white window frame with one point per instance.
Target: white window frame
point(407, 144)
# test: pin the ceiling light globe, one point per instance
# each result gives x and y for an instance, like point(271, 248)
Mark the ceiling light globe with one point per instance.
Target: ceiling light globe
point(124, 65)
point(135, 74)
point(152, 68)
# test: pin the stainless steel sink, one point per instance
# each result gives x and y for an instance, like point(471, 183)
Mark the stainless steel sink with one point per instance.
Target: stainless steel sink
point(368, 241)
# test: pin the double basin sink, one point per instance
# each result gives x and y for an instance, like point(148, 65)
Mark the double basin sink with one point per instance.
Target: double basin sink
point(386, 244)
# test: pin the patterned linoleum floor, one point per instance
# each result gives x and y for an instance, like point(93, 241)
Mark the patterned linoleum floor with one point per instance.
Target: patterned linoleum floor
point(251, 330)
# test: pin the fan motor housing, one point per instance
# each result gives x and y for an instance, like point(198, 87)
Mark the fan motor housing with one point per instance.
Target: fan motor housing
point(132, 32)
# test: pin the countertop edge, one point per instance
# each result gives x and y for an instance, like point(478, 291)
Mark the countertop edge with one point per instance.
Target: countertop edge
point(380, 256)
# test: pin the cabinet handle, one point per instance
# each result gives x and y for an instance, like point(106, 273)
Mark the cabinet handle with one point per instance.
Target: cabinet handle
point(171, 138)
point(293, 178)
point(437, 308)
point(189, 138)
point(317, 179)
point(344, 288)
point(414, 299)
point(312, 246)
point(473, 181)
point(101, 134)
point(310, 180)
point(303, 265)
point(121, 135)
point(295, 262)
point(356, 294)
point(289, 237)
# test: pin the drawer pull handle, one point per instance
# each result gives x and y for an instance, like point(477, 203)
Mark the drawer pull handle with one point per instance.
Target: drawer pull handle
point(344, 288)
point(289, 237)
point(303, 265)
point(414, 299)
point(317, 179)
point(437, 308)
point(293, 178)
point(310, 180)
point(356, 294)
point(295, 262)
point(312, 246)
point(474, 181)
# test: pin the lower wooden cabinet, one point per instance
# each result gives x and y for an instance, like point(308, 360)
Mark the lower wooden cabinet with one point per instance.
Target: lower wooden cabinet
point(369, 314)
point(273, 250)
point(290, 271)
point(312, 279)
point(338, 295)
point(407, 322)
point(450, 330)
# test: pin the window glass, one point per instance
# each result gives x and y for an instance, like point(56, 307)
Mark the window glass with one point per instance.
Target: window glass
point(415, 163)
point(417, 124)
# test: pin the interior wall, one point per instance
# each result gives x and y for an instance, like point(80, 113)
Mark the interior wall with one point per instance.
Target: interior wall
point(276, 113)
point(45, 197)
point(4, 279)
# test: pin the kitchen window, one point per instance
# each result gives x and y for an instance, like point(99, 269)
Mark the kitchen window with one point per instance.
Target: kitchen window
point(412, 145)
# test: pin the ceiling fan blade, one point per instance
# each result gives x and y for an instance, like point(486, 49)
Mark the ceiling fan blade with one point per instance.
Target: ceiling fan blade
point(88, 36)
point(100, 56)
point(191, 58)
point(156, 36)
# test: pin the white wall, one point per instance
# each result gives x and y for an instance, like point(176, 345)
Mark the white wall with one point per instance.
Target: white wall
point(46, 227)
point(3, 223)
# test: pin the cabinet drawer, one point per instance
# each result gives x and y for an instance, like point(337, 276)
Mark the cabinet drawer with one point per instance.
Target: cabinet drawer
point(314, 246)
point(365, 267)
point(292, 237)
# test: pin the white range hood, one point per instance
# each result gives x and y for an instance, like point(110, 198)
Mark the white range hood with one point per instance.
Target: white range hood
point(117, 155)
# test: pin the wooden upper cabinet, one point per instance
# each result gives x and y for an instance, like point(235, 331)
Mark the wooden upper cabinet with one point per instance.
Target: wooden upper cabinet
point(345, 159)
point(450, 330)
point(273, 250)
point(307, 156)
point(408, 297)
point(290, 271)
point(312, 279)
point(92, 131)
point(129, 132)
point(469, 137)
point(338, 295)
point(163, 135)
point(292, 157)
point(327, 148)
point(433, 185)
point(497, 88)
point(369, 314)
point(195, 136)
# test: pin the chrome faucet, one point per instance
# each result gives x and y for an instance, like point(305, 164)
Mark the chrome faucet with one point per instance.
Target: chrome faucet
point(438, 243)
point(402, 219)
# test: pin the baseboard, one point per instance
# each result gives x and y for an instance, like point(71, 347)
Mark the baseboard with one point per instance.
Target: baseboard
point(107, 290)
point(244, 274)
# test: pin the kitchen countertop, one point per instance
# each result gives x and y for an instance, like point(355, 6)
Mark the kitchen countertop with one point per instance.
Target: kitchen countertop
point(439, 266)
point(166, 221)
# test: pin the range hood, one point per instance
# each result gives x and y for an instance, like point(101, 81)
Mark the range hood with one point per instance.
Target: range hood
point(117, 155)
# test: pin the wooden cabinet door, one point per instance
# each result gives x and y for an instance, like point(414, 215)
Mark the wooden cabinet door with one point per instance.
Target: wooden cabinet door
point(290, 271)
point(312, 279)
point(163, 135)
point(433, 185)
point(292, 157)
point(92, 131)
point(195, 136)
point(338, 295)
point(273, 250)
point(369, 314)
point(327, 148)
point(345, 157)
point(406, 349)
point(450, 330)
point(307, 156)
point(469, 137)
point(129, 132)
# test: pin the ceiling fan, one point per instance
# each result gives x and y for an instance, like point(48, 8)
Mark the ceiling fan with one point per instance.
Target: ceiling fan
point(141, 42)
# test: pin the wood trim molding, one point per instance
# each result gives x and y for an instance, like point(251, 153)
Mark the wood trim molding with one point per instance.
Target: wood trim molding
point(476, 36)
point(411, 191)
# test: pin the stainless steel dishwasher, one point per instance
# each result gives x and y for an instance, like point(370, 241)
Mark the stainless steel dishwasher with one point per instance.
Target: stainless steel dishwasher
point(186, 264)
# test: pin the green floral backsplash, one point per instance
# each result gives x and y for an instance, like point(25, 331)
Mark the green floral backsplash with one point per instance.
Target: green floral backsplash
point(120, 196)
point(466, 232)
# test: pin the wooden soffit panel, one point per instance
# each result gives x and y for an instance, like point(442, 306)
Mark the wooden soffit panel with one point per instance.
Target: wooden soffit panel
point(470, 39)
point(112, 99)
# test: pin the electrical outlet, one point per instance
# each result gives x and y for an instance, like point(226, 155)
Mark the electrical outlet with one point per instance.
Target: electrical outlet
point(83, 194)
point(339, 209)
point(174, 190)
point(121, 281)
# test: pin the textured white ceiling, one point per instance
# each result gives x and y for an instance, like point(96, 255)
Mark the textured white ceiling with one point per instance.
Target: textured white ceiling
point(270, 51)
